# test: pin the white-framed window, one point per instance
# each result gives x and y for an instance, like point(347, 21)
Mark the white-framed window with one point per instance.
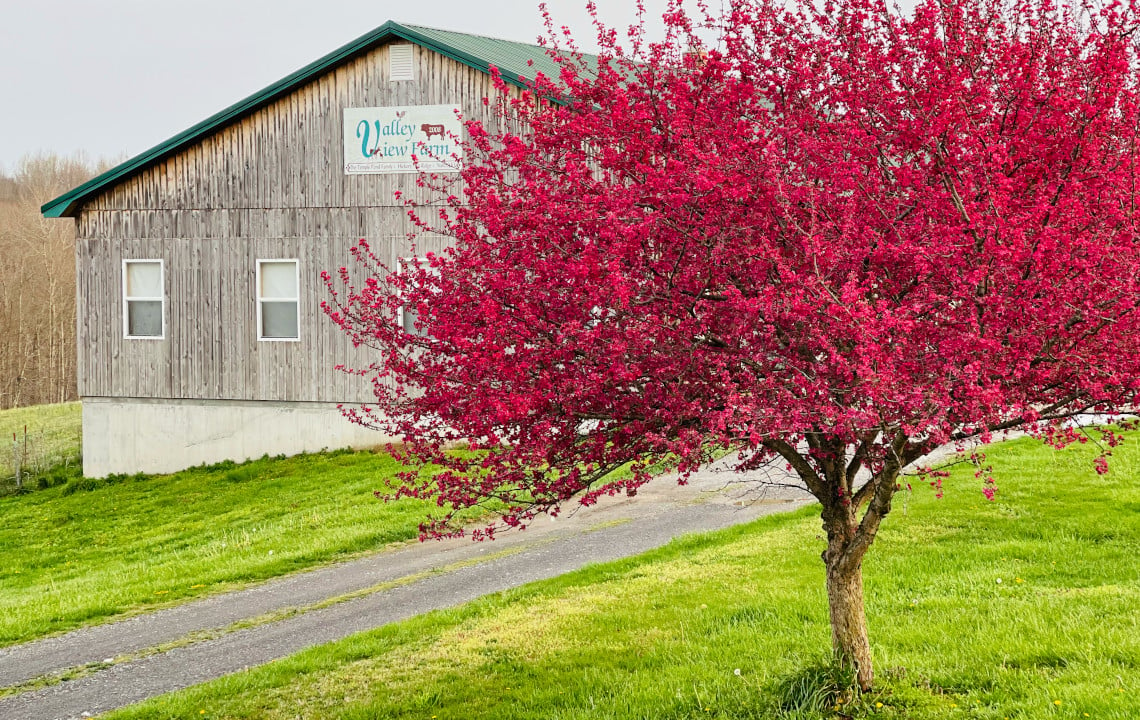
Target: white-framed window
point(143, 300)
point(278, 300)
point(408, 315)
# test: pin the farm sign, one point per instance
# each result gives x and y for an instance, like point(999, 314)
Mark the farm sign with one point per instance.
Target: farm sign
point(384, 139)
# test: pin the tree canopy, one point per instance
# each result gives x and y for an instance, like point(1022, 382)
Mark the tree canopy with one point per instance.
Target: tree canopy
point(833, 237)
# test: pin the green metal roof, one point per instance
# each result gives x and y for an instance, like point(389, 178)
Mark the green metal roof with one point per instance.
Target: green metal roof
point(511, 58)
point(516, 61)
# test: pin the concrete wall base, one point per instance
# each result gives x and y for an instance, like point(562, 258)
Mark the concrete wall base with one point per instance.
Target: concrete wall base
point(129, 435)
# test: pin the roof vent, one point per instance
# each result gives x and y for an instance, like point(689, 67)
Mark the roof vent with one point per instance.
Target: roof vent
point(400, 63)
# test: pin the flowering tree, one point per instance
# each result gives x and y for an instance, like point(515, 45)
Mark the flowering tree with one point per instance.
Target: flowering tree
point(835, 239)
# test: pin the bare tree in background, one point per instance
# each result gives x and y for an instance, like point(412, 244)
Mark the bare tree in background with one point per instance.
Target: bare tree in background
point(37, 283)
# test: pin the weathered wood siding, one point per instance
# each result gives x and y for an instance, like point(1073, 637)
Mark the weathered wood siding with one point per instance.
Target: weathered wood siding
point(269, 186)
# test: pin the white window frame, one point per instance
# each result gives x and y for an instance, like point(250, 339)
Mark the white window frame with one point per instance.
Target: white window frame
point(128, 298)
point(297, 300)
point(401, 264)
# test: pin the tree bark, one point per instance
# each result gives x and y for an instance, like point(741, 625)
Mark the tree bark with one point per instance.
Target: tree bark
point(849, 621)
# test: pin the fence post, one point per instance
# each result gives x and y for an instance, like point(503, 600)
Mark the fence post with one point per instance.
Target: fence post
point(16, 462)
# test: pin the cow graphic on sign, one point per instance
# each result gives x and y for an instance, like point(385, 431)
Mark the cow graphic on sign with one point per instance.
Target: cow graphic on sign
point(430, 129)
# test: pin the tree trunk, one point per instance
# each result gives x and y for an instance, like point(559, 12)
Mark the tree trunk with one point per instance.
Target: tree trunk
point(832, 480)
point(849, 622)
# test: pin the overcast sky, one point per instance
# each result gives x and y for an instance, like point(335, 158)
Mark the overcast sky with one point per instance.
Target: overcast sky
point(114, 77)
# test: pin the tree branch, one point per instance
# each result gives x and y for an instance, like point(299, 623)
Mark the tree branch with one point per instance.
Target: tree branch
point(802, 467)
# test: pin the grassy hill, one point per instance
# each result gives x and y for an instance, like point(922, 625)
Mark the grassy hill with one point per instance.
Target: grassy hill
point(46, 435)
point(1024, 607)
point(87, 550)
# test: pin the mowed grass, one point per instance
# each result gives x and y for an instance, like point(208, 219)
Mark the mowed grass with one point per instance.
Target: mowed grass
point(50, 434)
point(1025, 607)
point(90, 550)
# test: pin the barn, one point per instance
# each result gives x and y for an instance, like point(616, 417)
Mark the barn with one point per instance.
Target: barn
point(200, 332)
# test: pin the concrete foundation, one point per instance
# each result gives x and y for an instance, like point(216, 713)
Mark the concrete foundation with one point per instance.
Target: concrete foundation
point(123, 435)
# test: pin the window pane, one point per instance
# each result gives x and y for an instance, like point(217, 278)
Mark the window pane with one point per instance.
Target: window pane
point(279, 280)
point(144, 318)
point(279, 320)
point(410, 316)
point(144, 279)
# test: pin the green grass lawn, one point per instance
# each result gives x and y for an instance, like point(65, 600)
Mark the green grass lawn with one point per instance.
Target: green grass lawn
point(1025, 607)
point(52, 437)
point(89, 550)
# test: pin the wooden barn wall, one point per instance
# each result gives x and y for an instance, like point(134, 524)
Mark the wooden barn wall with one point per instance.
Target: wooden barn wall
point(270, 186)
point(210, 349)
point(290, 153)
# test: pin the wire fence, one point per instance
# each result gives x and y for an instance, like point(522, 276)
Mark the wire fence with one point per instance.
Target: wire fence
point(33, 448)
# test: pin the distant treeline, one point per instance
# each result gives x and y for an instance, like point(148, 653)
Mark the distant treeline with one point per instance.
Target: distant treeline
point(37, 282)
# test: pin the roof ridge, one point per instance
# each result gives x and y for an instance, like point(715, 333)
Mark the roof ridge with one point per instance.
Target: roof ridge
point(412, 26)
